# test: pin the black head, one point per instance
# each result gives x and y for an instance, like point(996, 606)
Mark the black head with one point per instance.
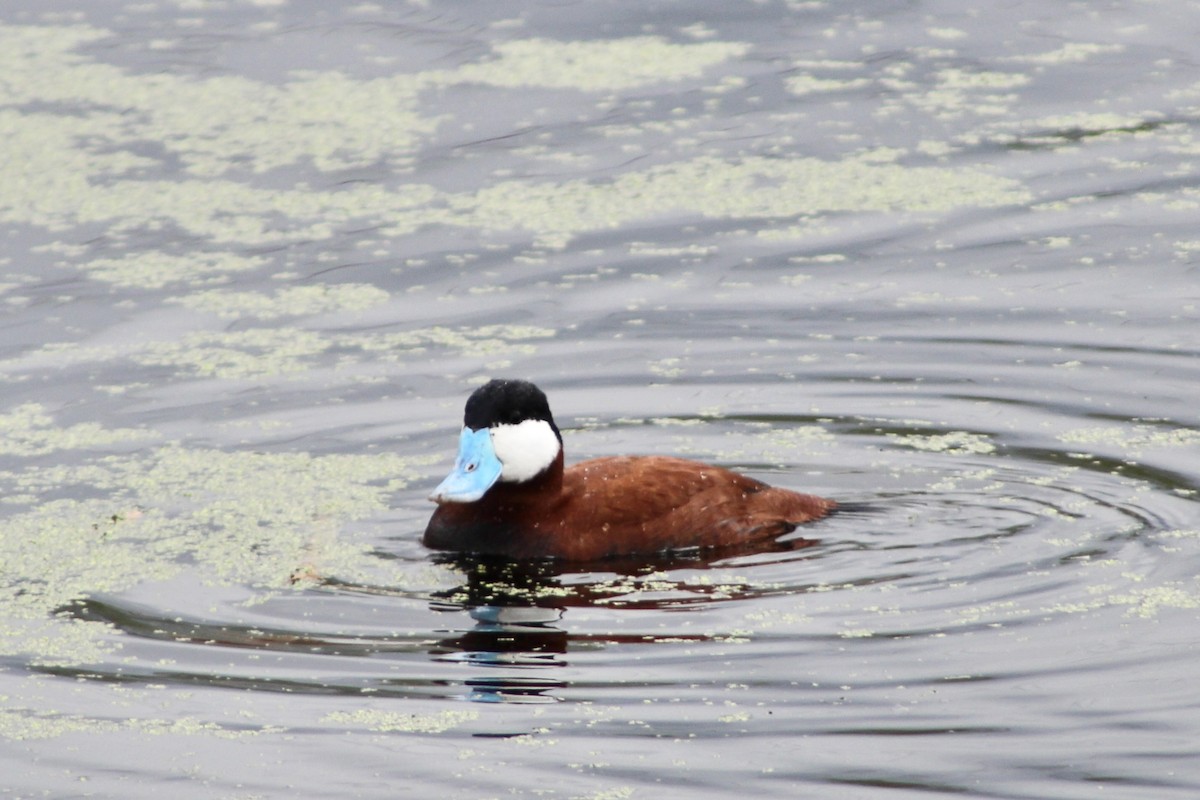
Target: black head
point(507, 402)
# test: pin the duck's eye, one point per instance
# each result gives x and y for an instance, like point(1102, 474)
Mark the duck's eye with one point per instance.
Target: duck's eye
point(471, 466)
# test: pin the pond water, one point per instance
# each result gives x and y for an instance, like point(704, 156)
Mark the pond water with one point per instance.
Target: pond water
point(939, 261)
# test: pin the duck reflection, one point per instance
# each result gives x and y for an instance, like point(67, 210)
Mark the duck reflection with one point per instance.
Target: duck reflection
point(507, 636)
point(505, 639)
point(518, 607)
point(516, 612)
point(517, 640)
point(613, 583)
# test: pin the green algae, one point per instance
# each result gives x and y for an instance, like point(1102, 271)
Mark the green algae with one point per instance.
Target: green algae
point(288, 350)
point(28, 430)
point(219, 124)
point(254, 353)
point(603, 65)
point(27, 724)
point(482, 340)
point(155, 270)
point(778, 444)
point(218, 506)
point(293, 301)
point(381, 721)
point(747, 188)
point(956, 443)
point(72, 161)
point(1149, 602)
point(1069, 53)
point(615, 793)
point(244, 518)
point(56, 553)
point(57, 184)
point(1134, 439)
point(274, 352)
point(809, 84)
point(1138, 595)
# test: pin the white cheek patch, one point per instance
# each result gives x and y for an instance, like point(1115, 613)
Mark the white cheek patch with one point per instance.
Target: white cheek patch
point(524, 449)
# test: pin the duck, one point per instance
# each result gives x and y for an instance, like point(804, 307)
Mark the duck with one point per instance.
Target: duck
point(510, 495)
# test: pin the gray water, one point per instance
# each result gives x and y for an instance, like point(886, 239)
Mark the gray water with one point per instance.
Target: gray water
point(936, 260)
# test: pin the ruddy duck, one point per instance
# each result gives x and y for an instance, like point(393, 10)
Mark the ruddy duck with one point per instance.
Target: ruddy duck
point(509, 495)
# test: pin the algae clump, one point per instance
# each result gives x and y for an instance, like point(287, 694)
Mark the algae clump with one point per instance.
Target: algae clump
point(236, 518)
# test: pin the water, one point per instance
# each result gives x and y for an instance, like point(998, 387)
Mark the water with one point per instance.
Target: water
point(936, 261)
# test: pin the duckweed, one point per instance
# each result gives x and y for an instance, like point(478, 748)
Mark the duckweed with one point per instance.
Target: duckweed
point(246, 518)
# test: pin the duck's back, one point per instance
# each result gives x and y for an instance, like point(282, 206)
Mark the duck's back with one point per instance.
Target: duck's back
point(654, 503)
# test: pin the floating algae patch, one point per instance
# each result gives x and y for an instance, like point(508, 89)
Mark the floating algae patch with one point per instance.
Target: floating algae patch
point(266, 352)
point(1149, 602)
point(223, 506)
point(53, 182)
point(263, 352)
point(785, 441)
point(1070, 53)
point(28, 430)
point(75, 133)
point(25, 724)
point(747, 188)
point(217, 124)
point(808, 84)
point(154, 270)
point(479, 341)
point(56, 553)
point(1139, 595)
point(956, 443)
point(256, 519)
point(396, 722)
point(777, 444)
point(66, 170)
point(604, 65)
point(1133, 440)
point(293, 301)
point(253, 353)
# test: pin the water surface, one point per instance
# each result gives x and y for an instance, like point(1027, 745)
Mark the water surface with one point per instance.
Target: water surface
point(936, 261)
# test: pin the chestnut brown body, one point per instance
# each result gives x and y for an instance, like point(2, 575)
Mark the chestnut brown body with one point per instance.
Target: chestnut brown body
point(620, 506)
